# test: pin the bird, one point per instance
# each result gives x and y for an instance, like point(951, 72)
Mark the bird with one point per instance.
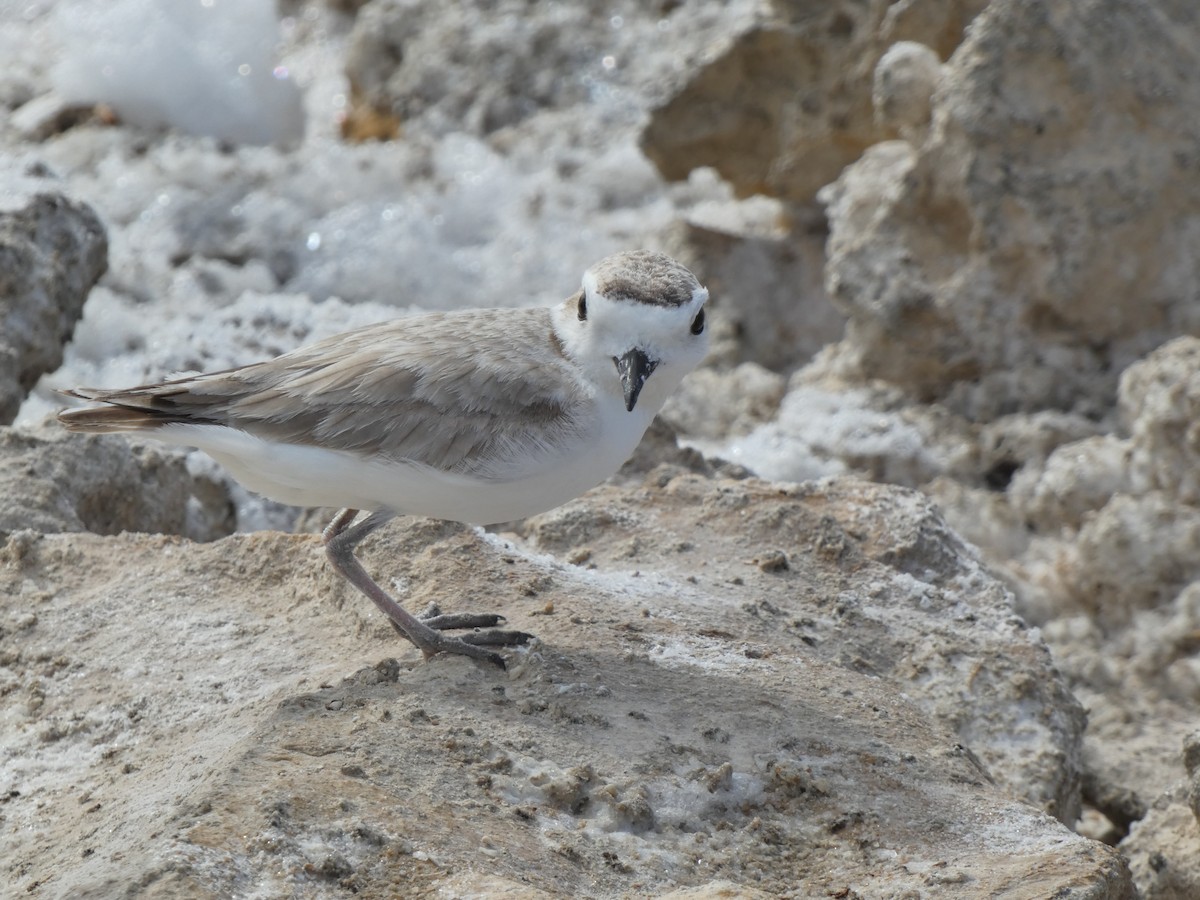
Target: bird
point(478, 416)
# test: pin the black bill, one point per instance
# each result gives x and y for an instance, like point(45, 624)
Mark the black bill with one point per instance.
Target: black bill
point(634, 368)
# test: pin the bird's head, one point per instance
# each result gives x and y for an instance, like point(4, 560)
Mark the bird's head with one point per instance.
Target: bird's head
point(638, 324)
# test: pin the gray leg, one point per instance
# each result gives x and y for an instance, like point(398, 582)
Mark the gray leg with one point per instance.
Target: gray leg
point(340, 541)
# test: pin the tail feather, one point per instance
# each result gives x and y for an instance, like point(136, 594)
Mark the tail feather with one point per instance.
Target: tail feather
point(108, 419)
point(136, 409)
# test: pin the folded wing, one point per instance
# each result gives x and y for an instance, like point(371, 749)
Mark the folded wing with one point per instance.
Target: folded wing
point(459, 392)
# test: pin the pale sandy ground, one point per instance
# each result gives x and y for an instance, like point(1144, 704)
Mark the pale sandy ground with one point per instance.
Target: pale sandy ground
point(227, 719)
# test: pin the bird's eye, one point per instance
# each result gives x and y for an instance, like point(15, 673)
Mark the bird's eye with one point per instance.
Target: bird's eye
point(581, 308)
point(698, 323)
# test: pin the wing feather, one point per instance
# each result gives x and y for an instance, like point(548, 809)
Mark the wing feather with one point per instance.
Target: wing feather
point(460, 392)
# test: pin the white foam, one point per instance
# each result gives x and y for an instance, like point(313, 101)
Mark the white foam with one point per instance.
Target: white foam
point(204, 66)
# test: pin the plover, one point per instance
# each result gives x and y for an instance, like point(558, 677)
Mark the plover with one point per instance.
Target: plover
point(477, 416)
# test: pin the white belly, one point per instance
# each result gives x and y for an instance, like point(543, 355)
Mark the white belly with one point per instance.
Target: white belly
point(304, 475)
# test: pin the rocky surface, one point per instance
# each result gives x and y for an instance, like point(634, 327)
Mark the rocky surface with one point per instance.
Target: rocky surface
point(782, 104)
point(951, 639)
point(733, 680)
point(742, 688)
point(1008, 272)
point(1037, 241)
point(52, 250)
point(54, 482)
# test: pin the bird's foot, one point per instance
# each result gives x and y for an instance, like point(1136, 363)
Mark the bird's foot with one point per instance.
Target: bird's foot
point(486, 634)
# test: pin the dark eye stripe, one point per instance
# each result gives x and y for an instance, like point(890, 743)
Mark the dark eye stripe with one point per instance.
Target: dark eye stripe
point(582, 308)
point(698, 322)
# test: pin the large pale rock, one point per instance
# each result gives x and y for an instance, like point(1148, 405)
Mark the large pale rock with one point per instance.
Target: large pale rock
point(52, 250)
point(1043, 235)
point(1110, 569)
point(909, 604)
point(710, 707)
point(1159, 405)
point(51, 481)
point(784, 103)
point(1141, 684)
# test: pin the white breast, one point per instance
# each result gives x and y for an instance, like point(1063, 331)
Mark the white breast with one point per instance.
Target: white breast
point(305, 475)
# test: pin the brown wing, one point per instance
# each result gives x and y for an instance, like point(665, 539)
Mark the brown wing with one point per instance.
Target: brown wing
point(455, 391)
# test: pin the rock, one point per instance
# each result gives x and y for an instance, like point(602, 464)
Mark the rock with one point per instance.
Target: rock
point(1023, 442)
point(1191, 763)
point(210, 720)
point(717, 890)
point(974, 269)
point(1077, 480)
point(1160, 405)
point(1135, 553)
point(1163, 850)
point(826, 425)
point(909, 604)
point(902, 93)
point(1141, 684)
point(52, 250)
point(1098, 536)
point(738, 686)
point(51, 482)
point(784, 103)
